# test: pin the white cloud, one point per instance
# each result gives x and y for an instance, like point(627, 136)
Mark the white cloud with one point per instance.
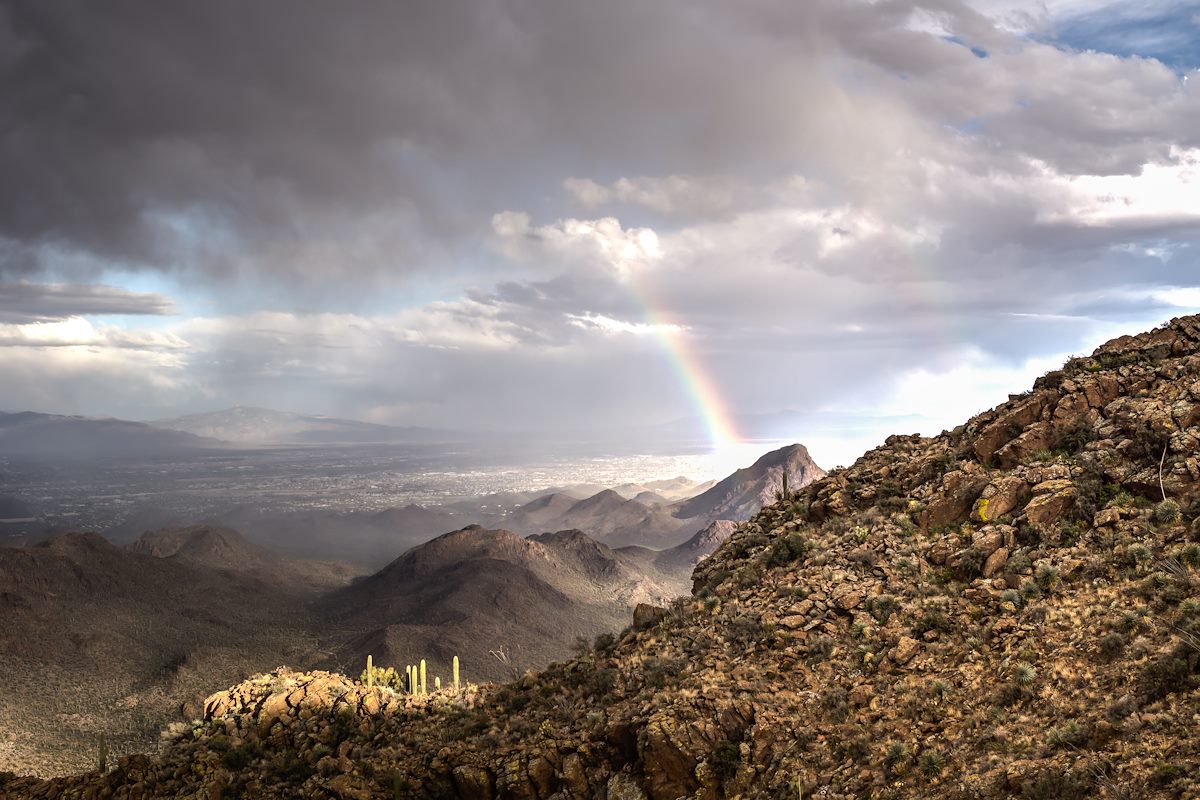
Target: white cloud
point(610, 325)
point(569, 243)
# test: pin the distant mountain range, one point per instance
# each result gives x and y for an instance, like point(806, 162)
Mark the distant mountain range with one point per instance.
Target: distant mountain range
point(245, 425)
point(640, 516)
point(52, 436)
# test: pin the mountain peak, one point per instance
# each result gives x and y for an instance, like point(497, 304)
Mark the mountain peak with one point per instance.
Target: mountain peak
point(749, 489)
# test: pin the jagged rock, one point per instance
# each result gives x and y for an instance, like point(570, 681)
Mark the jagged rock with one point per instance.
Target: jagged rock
point(1035, 438)
point(623, 787)
point(472, 783)
point(1052, 499)
point(958, 492)
point(848, 597)
point(999, 497)
point(906, 648)
point(995, 562)
point(1009, 425)
point(987, 540)
point(670, 750)
point(645, 615)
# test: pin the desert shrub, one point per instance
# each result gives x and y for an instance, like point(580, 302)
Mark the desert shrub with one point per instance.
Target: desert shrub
point(605, 643)
point(787, 550)
point(1111, 645)
point(821, 648)
point(1165, 774)
point(896, 758)
point(1146, 444)
point(1169, 673)
point(1075, 437)
point(1138, 554)
point(1070, 735)
point(1046, 576)
point(866, 558)
point(1167, 512)
point(1009, 694)
point(836, 703)
point(1051, 380)
point(1120, 709)
point(726, 758)
point(601, 682)
point(1057, 783)
point(882, 607)
point(932, 620)
point(1024, 673)
point(931, 763)
point(745, 629)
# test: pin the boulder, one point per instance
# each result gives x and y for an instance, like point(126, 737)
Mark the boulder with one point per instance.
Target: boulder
point(999, 497)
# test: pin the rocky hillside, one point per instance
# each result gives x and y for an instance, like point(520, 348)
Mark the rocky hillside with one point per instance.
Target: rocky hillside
point(1009, 609)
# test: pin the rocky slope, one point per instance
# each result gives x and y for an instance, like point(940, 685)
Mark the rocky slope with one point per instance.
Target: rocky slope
point(1009, 609)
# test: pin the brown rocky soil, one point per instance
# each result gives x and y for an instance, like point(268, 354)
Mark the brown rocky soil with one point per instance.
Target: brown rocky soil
point(1010, 609)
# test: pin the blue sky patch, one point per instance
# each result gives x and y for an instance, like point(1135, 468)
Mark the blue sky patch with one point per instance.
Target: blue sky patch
point(1167, 31)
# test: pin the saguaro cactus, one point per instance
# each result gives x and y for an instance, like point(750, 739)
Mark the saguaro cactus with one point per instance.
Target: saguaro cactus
point(424, 687)
point(370, 671)
point(103, 760)
point(437, 684)
point(455, 673)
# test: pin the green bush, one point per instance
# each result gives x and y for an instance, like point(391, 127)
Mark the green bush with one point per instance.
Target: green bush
point(1167, 512)
point(882, 607)
point(788, 549)
point(932, 620)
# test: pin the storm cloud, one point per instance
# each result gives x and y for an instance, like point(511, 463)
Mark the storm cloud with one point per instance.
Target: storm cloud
point(518, 212)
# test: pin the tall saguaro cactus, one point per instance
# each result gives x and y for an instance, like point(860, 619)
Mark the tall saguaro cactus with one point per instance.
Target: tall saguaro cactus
point(424, 687)
point(370, 671)
point(456, 674)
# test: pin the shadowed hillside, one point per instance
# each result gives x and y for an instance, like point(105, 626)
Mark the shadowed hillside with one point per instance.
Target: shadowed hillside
point(475, 590)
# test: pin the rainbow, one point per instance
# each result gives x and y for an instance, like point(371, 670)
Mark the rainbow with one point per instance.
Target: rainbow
point(718, 421)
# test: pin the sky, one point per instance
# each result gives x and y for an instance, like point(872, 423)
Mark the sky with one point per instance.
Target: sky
point(825, 221)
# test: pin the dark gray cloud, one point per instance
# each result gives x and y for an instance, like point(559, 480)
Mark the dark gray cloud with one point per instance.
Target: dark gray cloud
point(39, 302)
